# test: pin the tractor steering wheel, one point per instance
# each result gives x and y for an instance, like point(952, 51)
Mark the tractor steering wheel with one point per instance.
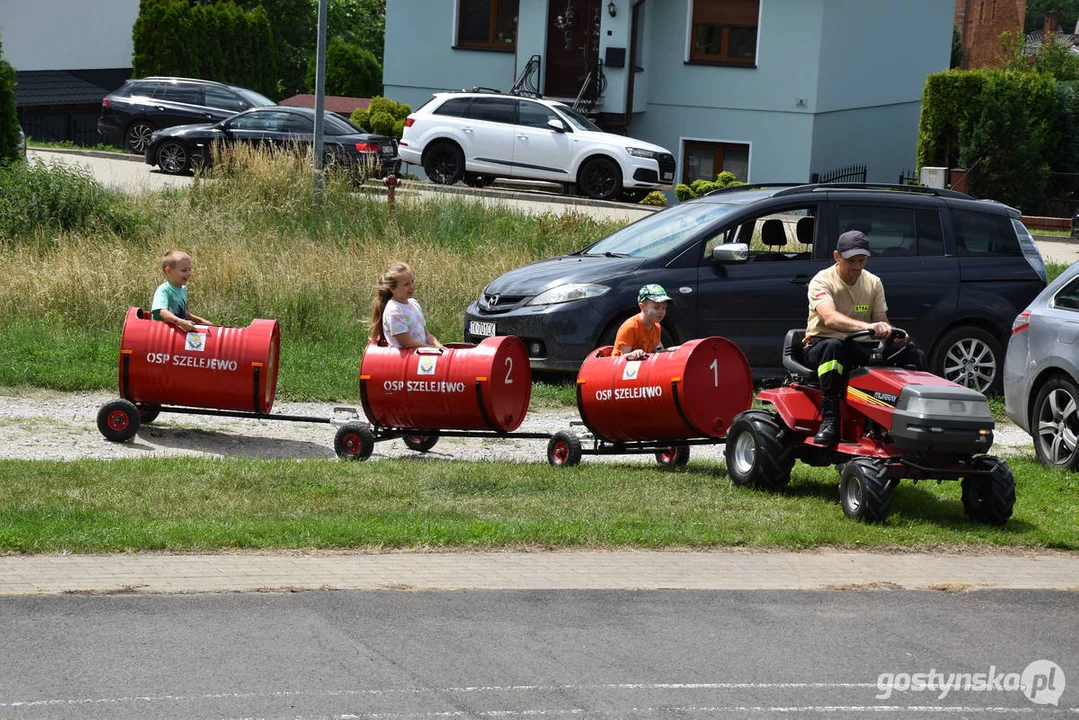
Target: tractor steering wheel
point(883, 347)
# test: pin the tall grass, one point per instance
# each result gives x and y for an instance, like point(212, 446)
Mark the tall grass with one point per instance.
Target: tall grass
point(262, 247)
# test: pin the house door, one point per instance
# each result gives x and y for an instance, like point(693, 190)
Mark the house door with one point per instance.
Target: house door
point(572, 45)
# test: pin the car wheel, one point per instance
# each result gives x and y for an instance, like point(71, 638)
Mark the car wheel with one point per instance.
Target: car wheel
point(865, 490)
point(600, 179)
point(759, 451)
point(444, 163)
point(971, 357)
point(1055, 424)
point(138, 136)
point(989, 498)
point(173, 158)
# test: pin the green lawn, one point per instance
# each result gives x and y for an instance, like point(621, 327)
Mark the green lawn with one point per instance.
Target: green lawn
point(203, 504)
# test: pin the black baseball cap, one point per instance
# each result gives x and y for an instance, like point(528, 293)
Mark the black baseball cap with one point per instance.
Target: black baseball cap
point(851, 243)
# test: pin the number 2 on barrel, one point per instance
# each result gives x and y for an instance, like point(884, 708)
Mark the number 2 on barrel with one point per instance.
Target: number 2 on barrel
point(714, 367)
point(509, 370)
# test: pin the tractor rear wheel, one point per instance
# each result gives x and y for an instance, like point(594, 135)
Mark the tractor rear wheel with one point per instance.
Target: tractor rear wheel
point(865, 490)
point(989, 498)
point(760, 451)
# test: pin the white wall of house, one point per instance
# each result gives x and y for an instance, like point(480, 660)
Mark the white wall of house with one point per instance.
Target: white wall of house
point(67, 34)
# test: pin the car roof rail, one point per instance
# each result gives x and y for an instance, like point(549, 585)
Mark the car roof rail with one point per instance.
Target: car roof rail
point(479, 89)
point(748, 186)
point(917, 189)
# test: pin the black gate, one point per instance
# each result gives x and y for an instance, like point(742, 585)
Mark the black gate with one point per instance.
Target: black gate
point(850, 174)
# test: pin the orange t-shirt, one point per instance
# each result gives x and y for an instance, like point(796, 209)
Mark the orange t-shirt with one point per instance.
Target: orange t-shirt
point(633, 333)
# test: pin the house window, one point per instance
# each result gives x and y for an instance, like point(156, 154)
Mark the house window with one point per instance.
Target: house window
point(489, 24)
point(725, 31)
point(705, 160)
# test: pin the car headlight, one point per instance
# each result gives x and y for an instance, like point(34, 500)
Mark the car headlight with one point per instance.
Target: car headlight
point(568, 293)
point(642, 153)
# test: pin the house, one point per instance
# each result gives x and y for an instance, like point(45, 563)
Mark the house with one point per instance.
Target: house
point(67, 56)
point(340, 104)
point(772, 90)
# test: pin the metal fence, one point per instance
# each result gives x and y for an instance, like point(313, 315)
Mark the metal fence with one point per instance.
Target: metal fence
point(76, 126)
point(850, 173)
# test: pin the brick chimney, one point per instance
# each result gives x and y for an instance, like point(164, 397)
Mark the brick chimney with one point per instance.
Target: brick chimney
point(1049, 30)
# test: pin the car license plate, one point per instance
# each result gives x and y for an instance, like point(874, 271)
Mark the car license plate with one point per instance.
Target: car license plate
point(481, 329)
point(668, 176)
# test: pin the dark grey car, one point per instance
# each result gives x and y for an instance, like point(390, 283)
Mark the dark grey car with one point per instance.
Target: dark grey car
point(130, 115)
point(738, 262)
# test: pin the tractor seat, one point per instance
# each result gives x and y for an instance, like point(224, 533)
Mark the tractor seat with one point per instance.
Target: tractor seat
point(793, 359)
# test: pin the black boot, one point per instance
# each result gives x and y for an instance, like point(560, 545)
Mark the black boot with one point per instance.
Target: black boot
point(829, 424)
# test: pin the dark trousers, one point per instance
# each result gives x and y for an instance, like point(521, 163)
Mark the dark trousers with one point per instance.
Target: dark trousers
point(834, 359)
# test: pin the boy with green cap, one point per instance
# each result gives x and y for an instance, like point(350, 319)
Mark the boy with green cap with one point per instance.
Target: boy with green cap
point(641, 334)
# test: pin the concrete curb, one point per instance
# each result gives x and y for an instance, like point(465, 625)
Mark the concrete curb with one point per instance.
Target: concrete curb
point(586, 570)
point(89, 153)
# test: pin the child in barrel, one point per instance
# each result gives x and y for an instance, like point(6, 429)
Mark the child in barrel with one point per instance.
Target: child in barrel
point(396, 315)
point(641, 334)
point(170, 299)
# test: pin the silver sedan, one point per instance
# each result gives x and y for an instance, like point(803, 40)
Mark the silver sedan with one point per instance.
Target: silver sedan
point(1041, 372)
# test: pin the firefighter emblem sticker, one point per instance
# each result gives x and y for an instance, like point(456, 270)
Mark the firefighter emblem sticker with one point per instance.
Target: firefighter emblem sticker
point(426, 365)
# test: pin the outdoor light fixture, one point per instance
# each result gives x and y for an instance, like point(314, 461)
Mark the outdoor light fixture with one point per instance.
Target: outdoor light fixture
point(612, 9)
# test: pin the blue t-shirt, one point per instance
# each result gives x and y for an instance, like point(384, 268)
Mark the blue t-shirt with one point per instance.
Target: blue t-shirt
point(171, 298)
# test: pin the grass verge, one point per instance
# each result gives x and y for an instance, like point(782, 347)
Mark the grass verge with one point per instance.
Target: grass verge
point(204, 504)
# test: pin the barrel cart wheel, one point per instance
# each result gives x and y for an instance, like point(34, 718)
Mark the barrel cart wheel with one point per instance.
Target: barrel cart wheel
point(118, 420)
point(675, 456)
point(421, 443)
point(354, 441)
point(148, 413)
point(564, 450)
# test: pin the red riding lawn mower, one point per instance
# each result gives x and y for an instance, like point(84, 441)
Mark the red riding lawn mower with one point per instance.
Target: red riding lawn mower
point(895, 423)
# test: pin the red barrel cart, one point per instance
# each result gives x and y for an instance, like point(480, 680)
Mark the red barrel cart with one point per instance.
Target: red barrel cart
point(421, 394)
point(209, 371)
point(661, 404)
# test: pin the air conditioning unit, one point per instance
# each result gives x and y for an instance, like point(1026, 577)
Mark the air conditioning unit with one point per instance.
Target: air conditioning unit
point(934, 177)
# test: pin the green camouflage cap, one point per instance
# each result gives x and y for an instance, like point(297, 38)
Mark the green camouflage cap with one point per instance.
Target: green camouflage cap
point(655, 293)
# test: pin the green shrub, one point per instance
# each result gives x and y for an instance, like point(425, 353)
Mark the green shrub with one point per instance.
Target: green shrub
point(683, 192)
point(350, 70)
point(383, 116)
point(654, 198)
point(40, 200)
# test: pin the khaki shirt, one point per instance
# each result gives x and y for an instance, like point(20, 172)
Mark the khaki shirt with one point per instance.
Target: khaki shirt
point(860, 301)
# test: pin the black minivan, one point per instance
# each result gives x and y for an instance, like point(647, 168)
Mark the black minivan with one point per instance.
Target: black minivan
point(738, 261)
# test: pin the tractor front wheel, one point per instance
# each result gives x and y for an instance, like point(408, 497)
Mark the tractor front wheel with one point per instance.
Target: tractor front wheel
point(865, 490)
point(989, 498)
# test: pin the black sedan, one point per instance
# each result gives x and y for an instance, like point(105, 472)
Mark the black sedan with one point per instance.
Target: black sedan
point(178, 149)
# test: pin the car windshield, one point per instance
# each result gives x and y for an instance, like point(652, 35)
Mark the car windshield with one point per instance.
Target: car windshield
point(578, 120)
point(660, 233)
point(253, 98)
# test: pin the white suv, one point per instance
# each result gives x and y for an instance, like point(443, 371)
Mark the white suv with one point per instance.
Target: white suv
point(478, 136)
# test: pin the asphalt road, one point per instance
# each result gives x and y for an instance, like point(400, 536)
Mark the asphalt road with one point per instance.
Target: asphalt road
point(535, 654)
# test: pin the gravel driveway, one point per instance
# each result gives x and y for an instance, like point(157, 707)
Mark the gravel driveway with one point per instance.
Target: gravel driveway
point(48, 425)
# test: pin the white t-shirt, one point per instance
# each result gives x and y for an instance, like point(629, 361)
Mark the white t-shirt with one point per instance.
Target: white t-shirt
point(398, 317)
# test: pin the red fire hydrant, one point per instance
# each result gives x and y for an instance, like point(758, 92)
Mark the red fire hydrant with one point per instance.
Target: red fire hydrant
point(391, 182)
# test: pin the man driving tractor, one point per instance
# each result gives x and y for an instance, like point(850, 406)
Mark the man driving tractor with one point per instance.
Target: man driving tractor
point(843, 299)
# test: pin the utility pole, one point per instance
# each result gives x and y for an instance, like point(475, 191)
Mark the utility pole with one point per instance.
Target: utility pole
point(320, 98)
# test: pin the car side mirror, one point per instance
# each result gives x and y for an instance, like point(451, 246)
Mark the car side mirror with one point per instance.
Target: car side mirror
point(556, 125)
point(730, 253)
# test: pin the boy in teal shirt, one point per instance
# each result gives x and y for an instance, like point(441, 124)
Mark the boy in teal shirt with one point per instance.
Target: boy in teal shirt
point(170, 299)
